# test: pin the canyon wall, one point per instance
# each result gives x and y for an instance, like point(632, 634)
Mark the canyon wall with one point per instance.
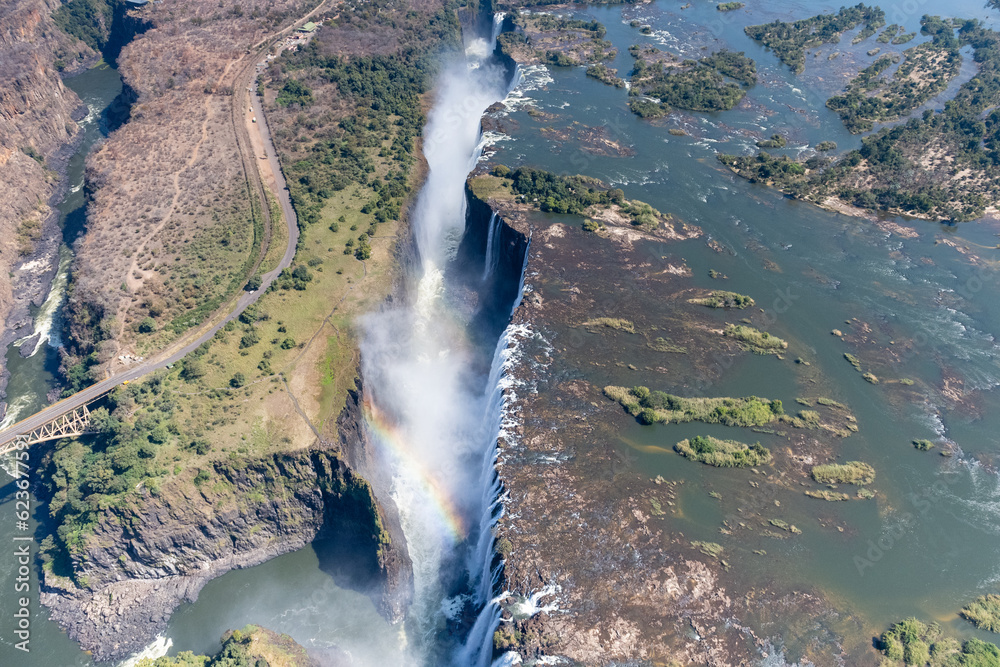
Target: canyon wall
point(37, 133)
point(146, 557)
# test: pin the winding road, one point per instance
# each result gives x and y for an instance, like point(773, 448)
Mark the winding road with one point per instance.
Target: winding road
point(245, 80)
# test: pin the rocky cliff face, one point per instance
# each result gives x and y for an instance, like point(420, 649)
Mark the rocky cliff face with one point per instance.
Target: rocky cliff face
point(145, 559)
point(37, 130)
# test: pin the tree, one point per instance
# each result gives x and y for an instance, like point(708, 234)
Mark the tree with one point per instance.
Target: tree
point(253, 284)
point(148, 325)
point(237, 381)
point(193, 369)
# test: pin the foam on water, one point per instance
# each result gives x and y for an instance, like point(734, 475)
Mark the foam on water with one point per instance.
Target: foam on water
point(156, 649)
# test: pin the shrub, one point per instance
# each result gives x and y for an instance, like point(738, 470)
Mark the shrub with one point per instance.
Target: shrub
point(852, 472)
point(249, 339)
point(984, 611)
point(201, 477)
point(723, 453)
point(923, 445)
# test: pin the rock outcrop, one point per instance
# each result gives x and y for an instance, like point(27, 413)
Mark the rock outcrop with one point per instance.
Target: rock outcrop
point(144, 559)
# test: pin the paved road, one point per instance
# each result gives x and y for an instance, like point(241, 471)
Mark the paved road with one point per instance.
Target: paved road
point(247, 77)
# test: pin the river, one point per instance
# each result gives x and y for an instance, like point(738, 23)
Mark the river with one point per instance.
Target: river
point(837, 268)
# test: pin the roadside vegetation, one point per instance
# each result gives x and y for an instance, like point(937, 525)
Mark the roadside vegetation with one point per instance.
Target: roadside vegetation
point(789, 41)
point(723, 453)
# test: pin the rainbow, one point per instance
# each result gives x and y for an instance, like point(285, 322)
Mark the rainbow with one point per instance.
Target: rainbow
point(395, 443)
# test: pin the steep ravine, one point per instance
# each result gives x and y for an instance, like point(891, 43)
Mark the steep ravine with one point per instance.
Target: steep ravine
point(145, 558)
point(38, 133)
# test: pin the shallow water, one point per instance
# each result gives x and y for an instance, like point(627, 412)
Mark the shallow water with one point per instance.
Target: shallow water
point(933, 315)
point(940, 516)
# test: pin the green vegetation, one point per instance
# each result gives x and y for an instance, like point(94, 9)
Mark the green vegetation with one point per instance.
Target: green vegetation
point(652, 407)
point(827, 494)
point(854, 361)
point(889, 33)
point(723, 453)
point(825, 146)
point(759, 342)
point(33, 154)
point(923, 445)
point(605, 74)
point(776, 141)
point(942, 165)
point(911, 642)
point(871, 98)
point(252, 646)
point(785, 526)
point(789, 41)
point(611, 323)
point(663, 345)
point(852, 472)
point(592, 225)
point(295, 92)
point(724, 299)
point(709, 548)
point(780, 172)
point(578, 195)
point(729, 6)
point(87, 20)
point(557, 41)
point(694, 85)
point(984, 611)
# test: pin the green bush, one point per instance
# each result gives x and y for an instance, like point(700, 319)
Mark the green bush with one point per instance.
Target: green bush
point(852, 472)
point(984, 611)
point(723, 453)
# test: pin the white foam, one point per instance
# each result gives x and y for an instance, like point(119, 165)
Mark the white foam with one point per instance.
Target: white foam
point(156, 649)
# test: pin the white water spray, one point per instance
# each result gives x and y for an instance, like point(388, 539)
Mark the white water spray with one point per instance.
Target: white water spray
point(426, 401)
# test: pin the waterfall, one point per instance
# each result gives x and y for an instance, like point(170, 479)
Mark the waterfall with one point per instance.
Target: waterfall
point(497, 26)
point(492, 247)
point(430, 413)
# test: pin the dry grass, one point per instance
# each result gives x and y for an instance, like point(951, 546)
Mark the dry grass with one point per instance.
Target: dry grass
point(170, 227)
